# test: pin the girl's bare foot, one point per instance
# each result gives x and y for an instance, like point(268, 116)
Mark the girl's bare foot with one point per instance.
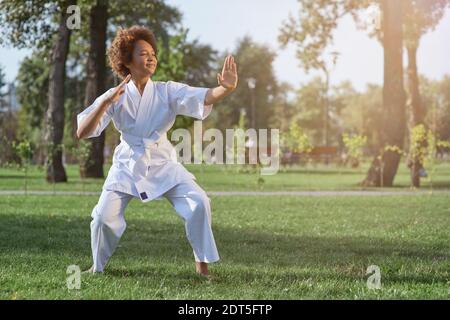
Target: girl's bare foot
point(202, 268)
point(89, 271)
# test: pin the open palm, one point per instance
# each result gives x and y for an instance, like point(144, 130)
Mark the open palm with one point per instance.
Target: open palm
point(229, 78)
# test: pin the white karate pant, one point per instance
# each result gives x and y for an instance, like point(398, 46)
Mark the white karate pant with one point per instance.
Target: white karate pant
point(188, 199)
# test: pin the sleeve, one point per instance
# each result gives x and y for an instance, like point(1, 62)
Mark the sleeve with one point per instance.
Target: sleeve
point(188, 101)
point(104, 120)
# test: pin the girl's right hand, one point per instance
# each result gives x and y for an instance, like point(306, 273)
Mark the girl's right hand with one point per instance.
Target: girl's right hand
point(118, 91)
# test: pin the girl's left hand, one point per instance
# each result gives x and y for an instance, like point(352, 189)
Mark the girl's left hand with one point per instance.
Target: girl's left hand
point(229, 78)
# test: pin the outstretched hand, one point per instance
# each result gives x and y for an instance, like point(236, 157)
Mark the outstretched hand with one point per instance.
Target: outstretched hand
point(119, 90)
point(229, 78)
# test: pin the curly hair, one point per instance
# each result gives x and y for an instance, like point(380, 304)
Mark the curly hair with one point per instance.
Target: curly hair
point(121, 50)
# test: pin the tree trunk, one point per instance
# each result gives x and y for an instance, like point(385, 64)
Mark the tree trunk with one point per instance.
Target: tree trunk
point(95, 84)
point(417, 110)
point(54, 118)
point(393, 122)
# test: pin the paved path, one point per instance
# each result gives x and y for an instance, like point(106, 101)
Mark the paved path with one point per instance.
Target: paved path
point(328, 193)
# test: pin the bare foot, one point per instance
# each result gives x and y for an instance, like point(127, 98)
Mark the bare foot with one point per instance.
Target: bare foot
point(89, 271)
point(202, 268)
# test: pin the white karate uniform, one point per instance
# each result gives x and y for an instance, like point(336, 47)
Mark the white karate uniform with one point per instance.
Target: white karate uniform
point(145, 166)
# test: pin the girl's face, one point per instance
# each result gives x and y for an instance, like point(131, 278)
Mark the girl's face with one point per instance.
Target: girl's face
point(143, 63)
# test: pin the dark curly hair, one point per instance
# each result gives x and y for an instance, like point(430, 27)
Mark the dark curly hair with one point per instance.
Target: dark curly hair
point(121, 50)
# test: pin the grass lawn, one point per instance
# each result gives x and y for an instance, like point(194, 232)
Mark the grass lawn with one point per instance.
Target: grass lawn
point(237, 178)
point(271, 248)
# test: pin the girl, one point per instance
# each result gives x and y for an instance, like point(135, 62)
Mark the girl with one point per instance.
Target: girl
point(144, 163)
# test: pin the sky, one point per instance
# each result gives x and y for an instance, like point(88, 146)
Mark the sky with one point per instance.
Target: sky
point(222, 23)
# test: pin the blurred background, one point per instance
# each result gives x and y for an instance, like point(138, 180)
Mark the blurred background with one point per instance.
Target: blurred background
point(360, 90)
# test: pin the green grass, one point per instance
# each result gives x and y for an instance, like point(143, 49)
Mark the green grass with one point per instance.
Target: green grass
point(236, 178)
point(271, 248)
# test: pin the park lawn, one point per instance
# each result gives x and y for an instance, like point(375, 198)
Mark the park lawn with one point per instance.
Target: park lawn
point(271, 248)
point(236, 178)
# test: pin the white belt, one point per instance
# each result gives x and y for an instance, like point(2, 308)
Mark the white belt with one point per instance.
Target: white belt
point(136, 141)
point(141, 151)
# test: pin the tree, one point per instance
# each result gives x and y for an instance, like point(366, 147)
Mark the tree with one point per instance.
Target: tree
point(255, 65)
point(54, 117)
point(441, 117)
point(312, 31)
point(96, 82)
point(32, 81)
point(7, 123)
point(354, 148)
point(296, 140)
point(310, 111)
point(2, 90)
point(189, 62)
point(362, 114)
point(42, 24)
point(284, 108)
point(420, 17)
point(313, 34)
point(393, 123)
point(200, 62)
point(27, 25)
point(319, 112)
point(435, 94)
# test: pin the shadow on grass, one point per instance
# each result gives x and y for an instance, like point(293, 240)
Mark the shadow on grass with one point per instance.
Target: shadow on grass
point(334, 172)
point(21, 177)
point(149, 242)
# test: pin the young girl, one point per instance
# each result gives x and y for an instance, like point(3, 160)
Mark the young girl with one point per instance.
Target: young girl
point(144, 163)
